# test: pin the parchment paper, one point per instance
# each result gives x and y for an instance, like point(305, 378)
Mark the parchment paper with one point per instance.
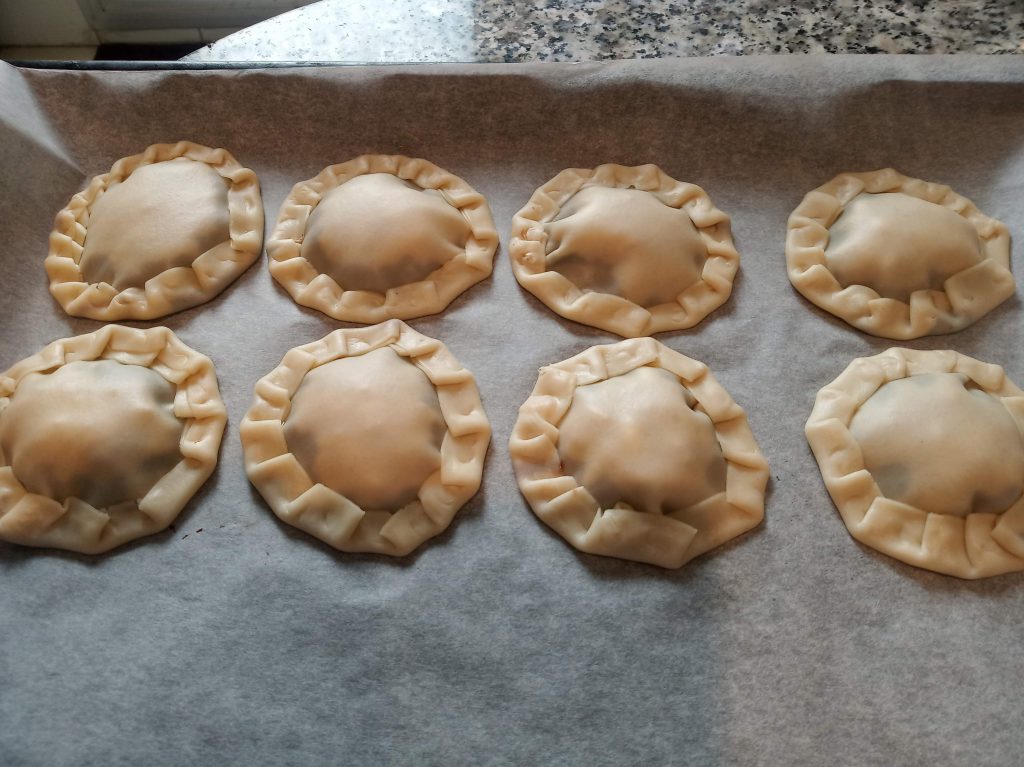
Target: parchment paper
point(235, 639)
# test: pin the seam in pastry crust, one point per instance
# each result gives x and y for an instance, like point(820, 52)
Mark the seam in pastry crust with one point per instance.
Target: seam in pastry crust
point(309, 287)
point(174, 289)
point(976, 546)
point(965, 297)
point(606, 311)
point(669, 540)
point(36, 520)
point(331, 517)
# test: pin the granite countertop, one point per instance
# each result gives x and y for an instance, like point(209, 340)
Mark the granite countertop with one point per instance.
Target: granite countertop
point(586, 30)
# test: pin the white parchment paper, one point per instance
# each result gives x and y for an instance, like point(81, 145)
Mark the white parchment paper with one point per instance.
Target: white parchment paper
point(235, 639)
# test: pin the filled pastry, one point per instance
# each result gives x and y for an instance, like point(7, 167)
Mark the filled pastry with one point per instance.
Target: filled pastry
point(923, 454)
point(369, 439)
point(381, 237)
point(628, 250)
point(104, 438)
point(632, 450)
point(163, 231)
point(897, 257)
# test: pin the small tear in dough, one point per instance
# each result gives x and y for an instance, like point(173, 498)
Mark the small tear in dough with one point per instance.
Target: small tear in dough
point(625, 242)
point(164, 215)
point(377, 232)
point(895, 244)
point(96, 430)
point(636, 439)
point(939, 444)
point(368, 427)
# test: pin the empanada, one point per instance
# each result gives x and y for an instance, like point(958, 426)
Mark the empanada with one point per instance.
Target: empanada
point(632, 450)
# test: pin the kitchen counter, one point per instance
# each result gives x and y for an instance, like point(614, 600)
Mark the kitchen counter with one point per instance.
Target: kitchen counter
point(556, 30)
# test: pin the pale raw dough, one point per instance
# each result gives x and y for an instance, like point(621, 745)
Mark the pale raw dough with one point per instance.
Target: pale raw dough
point(628, 250)
point(605, 442)
point(896, 256)
point(632, 450)
point(627, 243)
point(369, 439)
point(923, 454)
point(163, 231)
point(104, 438)
point(367, 427)
point(381, 237)
point(378, 232)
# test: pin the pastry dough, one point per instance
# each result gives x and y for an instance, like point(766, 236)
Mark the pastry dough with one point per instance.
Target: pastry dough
point(163, 231)
point(381, 237)
point(369, 439)
point(897, 257)
point(632, 450)
point(628, 250)
point(923, 454)
point(104, 438)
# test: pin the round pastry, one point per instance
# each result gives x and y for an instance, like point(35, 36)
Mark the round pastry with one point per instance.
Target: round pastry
point(923, 454)
point(632, 450)
point(104, 438)
point(369, 439)
point(897, 257)
point(163, 231)
point(628, 250)
point(381, 237)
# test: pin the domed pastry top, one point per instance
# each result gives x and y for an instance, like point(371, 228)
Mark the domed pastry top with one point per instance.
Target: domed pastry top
point(897, 257)
point(104, 438)
point(627, 243)
point(163, 231)
point(937, 442)
point(636, 439)
point(895, 244)
point(923, 454)
point(628, 250)
point(632, 450)
point(367, 427)
point(158, 218)
point(378, 232)
point(98, 430)
point(380, 237)
point(369, 439)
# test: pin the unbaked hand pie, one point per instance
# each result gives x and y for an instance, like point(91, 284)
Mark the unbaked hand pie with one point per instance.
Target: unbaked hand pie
point(628, 250)
point(897, 257)
point(923, 454)
point(163, 231)
point(104, 438)
point(632, 450)
point(381, 237)
point(369, 439)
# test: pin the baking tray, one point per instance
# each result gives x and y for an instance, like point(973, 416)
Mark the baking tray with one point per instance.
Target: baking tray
point(234, 639)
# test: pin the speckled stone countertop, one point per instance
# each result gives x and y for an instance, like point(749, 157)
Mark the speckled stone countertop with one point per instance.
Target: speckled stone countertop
point(587, 30)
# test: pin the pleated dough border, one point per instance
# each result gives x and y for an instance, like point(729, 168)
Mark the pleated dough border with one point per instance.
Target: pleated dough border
point(669, 540)
point(616, 314)
point(75, 525)
point(311, 288)
point(331, 517)
point(173, 289)
point(967, 295)
point(977, 546)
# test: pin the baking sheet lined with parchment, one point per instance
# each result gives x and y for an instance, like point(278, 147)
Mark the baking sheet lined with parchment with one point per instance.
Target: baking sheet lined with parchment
point(235, 639)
